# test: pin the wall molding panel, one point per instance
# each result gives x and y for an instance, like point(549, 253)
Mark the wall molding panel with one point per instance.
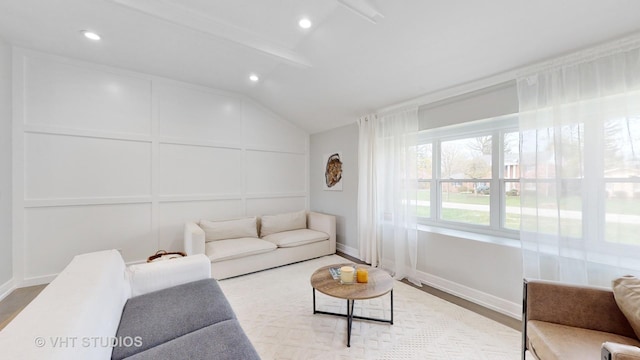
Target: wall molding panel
point(106, 158)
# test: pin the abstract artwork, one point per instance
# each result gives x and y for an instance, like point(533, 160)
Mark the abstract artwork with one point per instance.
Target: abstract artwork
point(333, 172)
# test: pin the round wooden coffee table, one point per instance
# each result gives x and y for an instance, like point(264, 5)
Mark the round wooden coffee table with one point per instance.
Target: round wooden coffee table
point(380, 283)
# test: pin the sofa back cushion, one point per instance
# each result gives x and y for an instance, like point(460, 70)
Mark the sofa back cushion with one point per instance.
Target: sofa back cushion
point(229, 229)
point(272, 224)
point(626, 291)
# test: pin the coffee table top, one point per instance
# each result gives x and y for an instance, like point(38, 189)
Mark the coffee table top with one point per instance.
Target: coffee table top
point(379, 283)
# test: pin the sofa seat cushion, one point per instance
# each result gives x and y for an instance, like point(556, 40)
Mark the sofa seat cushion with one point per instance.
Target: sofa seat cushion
point(550, 341)
point(160, 316)
point(296, 237)
point(236, 248)
point(222, 341)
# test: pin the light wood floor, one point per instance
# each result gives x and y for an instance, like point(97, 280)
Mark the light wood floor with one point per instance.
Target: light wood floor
point(16, 301)
point(19, 298)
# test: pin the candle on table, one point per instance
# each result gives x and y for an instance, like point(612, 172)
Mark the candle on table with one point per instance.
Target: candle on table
point(362, 275)
point(346, 274)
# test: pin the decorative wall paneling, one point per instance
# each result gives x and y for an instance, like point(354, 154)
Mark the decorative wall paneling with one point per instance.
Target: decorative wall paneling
point(107, 158)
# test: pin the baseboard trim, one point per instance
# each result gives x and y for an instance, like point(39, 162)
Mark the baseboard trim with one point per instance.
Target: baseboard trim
point(37, 280)
point(7, 288)
point(348, 250)
point(488, 301)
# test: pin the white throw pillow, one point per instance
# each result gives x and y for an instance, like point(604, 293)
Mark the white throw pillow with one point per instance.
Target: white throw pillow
point(272, 224)
point(229, 229)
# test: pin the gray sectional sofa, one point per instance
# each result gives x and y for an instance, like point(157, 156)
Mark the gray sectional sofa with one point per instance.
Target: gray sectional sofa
point(188, 321)
point(97, 308)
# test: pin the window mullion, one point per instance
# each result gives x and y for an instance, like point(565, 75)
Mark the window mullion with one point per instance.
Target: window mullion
point(495, 196)
point(593, 205)
point(435, 174)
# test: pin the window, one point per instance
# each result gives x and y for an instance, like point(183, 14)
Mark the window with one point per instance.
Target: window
point(583, 175)
point(464, 185)
point(622, 180)
point(469, 177)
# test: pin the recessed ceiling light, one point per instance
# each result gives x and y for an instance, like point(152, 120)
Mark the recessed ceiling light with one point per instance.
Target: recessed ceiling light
point(90, 35)
point(254, 77)
point(304, 23)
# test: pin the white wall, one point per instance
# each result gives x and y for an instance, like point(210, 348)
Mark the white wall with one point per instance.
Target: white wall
point(6, 271)
point(484, 272)
point(107, 158)
point(340, 203)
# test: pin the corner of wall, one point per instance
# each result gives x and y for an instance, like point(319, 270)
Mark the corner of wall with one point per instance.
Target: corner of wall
point(343, 203)
point(6, 248)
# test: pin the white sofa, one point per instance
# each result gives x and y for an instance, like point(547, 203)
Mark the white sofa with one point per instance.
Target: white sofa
point(241, 246)
point(80, 313)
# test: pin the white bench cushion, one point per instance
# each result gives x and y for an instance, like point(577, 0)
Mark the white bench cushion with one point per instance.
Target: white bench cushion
point(296, 237)
point(236, 248)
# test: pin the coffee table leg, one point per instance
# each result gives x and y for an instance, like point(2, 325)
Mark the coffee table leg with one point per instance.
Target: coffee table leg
point(390, 322)
point(314, 300)
point(349, 320)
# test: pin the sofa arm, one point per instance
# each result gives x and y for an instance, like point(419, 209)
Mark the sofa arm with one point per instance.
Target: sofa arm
point(193, 239)
point(158, 275)
point(575, 305)
point(614, 351)
point(325, 223)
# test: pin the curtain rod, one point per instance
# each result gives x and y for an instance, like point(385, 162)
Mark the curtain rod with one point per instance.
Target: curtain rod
point(617, 46)
point(621, 44)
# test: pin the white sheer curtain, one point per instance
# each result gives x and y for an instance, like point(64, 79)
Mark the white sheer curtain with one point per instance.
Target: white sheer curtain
point(580, 167)
point(388, 191)
point(368, 243)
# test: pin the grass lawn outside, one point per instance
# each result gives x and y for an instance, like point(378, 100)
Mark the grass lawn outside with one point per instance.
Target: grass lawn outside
point(622, 224)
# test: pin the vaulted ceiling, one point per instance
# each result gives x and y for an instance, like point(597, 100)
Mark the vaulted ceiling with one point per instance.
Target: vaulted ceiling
point(358, 55)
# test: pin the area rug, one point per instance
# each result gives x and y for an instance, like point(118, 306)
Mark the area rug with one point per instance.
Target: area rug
point(275, 308)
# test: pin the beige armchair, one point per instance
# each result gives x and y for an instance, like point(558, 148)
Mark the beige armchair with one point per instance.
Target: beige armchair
point(566, 322)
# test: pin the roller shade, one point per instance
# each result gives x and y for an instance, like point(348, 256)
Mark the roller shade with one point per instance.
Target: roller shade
point(497, 100)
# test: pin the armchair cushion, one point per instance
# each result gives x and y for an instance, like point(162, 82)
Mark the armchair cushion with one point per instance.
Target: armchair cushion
point(229, 229)
point(551, 341)
point(272, 224)
point(626, 291)
point(575, 305)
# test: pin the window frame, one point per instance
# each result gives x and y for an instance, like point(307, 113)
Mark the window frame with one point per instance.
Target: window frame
point(495, 127)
